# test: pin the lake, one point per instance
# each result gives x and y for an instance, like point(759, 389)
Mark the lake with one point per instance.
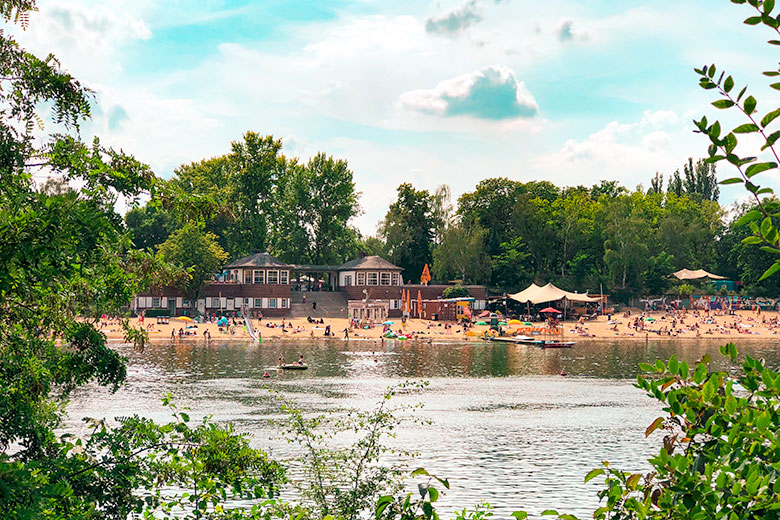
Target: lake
point(504, 425)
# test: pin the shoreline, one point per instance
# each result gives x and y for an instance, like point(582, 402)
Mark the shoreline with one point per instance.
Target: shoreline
point(693, 325)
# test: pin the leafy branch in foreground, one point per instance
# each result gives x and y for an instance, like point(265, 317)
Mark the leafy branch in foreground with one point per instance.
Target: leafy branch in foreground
point(173, 470)
point(345, 480)
point(723, 145)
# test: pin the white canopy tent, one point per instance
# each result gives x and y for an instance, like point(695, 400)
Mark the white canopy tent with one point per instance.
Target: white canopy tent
point(687, 274)
point(549, 293)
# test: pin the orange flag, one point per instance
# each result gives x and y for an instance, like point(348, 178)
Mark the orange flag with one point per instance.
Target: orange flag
point(425, 277)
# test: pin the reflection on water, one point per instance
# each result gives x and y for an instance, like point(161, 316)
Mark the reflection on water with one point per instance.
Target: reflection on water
point(504, 425)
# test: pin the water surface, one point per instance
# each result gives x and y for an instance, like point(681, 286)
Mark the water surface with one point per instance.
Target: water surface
point(504, 425)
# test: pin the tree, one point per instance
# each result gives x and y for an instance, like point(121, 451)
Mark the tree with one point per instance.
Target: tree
point(675, 184)
point(373, 246)
point(625, 251)
point(314, 205)
point(408, 230)
point(442, 211)
point(66, 259)
point(150, 226)
point(656, 184)
point(491, 206)
point(512, 268)
point(196, 251)
point(238, 187)
point(701, 181)
point(456, 291)
point(461, 254)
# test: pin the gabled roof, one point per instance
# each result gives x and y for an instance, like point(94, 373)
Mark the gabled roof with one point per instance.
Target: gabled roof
point(257, 260)
point(369, 262)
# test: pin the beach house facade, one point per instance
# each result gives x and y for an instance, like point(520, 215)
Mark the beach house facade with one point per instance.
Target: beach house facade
point(263, 284)
point(259, 282)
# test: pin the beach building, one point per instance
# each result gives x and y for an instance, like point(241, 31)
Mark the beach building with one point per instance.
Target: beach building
point(264, 284)
point(259, 282)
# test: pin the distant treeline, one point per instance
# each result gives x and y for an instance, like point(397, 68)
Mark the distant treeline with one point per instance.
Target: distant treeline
point(505, 234)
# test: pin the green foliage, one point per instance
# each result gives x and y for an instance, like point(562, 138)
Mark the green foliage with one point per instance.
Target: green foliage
point(513, 269)
point(461, 255)
point(150, 226)
point(718, 457)
point(255, 198)
point(196, 251)
point(725, 146)
point(346, 482)
point(314, 205)
point(409, 230)
point(372, 246)
point(685, 289)
point(456, 291)
point(67, 259)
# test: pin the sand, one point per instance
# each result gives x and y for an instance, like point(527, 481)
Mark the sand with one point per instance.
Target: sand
point(657, 326)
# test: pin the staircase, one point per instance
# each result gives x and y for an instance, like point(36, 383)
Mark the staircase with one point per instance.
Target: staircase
point(329, 305)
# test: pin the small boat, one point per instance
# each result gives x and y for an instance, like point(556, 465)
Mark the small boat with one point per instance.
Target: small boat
point(556, 344)
point(293, 366)
point(525, 340)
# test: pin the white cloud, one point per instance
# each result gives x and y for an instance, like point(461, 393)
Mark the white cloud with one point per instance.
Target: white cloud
point(566, 32)
point(455, 21)
point(490, 93)
point(85, 37)
point(630, 152)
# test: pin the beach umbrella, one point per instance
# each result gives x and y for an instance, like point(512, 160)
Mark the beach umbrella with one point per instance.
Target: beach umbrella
point(184, 318)
point(481, 323)
point(419, 303)
point(550, 310)
point(426, 276)
point(409, 301)
point(515, 322)
point(389, 323)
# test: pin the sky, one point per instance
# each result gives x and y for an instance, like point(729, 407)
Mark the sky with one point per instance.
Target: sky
point(409, 91)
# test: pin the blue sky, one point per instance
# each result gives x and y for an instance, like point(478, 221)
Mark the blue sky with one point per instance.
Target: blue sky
point(426, 92)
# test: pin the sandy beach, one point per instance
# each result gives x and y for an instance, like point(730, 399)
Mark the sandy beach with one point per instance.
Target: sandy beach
point(649, 325)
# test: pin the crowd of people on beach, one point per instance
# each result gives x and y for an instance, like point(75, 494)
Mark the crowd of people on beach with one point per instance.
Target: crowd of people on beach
point(681, 322)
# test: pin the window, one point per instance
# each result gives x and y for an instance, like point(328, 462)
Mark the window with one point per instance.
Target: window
point(396, 279)
point(258, 301)
point(187, 304)
point(259, 276)
point(271, 302)
point(385, 278)
point(156, 302)
point(284, 277)
point(394, 303)
point(246, 302)
point(247, 276)
point(361, 278)
point(373, 278)
point(234, 276)
point(348, 280)
point(215, 303)
point(284, 302)
point(273, 277)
